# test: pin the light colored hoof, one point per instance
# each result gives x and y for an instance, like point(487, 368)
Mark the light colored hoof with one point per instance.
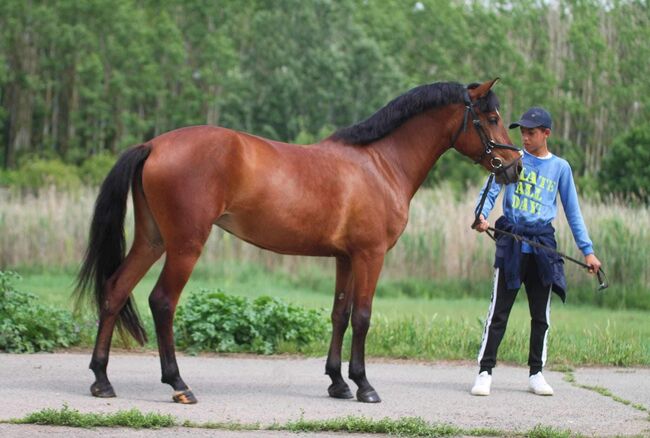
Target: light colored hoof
point(185, 397)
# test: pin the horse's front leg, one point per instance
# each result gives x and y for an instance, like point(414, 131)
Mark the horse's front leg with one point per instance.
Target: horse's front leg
point(366, 267)
point(340, 321)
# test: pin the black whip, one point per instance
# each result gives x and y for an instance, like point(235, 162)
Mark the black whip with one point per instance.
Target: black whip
point(602, 278)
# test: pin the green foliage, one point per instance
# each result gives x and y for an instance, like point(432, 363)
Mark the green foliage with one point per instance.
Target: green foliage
point(626, 167)
point(68, 417)
point(304, 137)
point(101, 76)
point(94, 169)
point(26, 326)
point(37, 173)
point(215, 321)
point(588, 186)
point(569, 151)
point(427, 329)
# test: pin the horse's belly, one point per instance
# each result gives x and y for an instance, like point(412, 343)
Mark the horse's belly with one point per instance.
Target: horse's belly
point(273, 235)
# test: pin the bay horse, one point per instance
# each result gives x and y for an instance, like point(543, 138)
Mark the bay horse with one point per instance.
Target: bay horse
point(346, 196)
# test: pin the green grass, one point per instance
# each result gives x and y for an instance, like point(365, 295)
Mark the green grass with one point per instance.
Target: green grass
point(407, 327)
point(409, 427)
point(549, 432)
point(570, 377)
point(406, 426)
point(132, 418)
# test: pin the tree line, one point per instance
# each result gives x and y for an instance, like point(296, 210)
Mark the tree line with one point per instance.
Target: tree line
point(81, 78)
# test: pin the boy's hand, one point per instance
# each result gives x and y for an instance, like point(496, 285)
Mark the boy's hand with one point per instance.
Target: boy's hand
point(593, 262)
point(481, 225)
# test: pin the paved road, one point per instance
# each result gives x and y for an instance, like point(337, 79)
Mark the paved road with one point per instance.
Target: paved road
point(251, 389)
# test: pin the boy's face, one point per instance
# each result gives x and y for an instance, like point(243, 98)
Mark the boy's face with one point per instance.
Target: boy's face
point(534, 138)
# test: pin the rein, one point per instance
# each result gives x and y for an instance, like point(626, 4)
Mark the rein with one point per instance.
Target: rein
point(602, 278)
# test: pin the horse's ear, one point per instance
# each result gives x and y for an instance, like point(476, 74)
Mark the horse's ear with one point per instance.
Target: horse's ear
point(482, 89)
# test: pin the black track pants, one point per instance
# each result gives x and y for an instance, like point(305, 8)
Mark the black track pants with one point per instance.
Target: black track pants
point(539, 303)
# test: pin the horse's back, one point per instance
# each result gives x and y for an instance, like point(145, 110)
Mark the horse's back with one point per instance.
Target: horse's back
point(246, 165)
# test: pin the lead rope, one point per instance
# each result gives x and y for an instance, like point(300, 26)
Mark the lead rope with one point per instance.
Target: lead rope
point(479, 207)
point(602, 278)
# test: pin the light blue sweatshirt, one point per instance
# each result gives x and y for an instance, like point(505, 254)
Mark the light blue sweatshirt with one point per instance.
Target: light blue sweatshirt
point(533, 199)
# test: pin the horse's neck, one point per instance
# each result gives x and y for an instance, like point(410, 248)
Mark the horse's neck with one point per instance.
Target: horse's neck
point(412, 149)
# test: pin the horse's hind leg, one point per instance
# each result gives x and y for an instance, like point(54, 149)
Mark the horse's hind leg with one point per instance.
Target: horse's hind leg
point(146, 249)
point(118, 289)
point(340, 321)
point(185, 206)
point(185, 221)
point(179, 264)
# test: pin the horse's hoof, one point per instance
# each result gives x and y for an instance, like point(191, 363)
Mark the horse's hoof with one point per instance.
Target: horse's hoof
point(368, 395)
point(102, 390)
point(184, 397)
point(339, 390)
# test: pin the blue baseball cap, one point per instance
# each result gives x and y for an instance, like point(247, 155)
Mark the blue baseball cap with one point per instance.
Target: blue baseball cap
point(534, 118)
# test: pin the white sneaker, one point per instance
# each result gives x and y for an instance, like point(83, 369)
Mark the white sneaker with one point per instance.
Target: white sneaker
point(538, 385)
point(482, 384)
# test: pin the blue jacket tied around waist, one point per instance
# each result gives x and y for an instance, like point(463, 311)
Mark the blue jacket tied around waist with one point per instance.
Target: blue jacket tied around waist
point(508, 255)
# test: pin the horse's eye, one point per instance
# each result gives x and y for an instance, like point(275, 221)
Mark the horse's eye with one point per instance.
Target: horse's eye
point(493, 121)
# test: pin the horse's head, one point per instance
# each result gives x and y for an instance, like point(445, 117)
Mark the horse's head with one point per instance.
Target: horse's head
point(483, 137)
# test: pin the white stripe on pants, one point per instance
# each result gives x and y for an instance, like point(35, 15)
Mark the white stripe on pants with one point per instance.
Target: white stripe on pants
point(488, 319)
point(548, 321)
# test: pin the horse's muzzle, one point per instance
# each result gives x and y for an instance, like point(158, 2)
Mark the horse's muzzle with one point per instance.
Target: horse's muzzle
point(509, 173)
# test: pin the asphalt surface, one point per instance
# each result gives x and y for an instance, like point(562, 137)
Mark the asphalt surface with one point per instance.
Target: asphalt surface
point(253, 389)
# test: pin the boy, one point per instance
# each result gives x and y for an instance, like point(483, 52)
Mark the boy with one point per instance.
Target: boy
point(529, 207)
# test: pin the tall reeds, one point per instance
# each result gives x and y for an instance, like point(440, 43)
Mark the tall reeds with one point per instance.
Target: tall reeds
point(50, 228)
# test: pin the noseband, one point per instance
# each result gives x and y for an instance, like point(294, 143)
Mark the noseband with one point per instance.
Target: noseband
point(488, 144)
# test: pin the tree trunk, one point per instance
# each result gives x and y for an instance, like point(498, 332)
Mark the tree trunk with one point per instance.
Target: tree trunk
point(22, 61)
point(67, 107)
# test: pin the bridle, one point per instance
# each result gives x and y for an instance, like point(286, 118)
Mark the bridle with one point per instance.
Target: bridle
point(488, 144)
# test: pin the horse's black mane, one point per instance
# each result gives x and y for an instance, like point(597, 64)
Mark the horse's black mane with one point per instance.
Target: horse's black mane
point(409, 104)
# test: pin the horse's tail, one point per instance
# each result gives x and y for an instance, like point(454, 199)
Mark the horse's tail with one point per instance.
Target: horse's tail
point(106, 246)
